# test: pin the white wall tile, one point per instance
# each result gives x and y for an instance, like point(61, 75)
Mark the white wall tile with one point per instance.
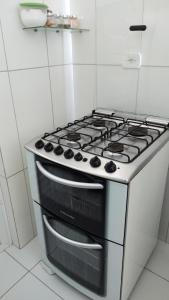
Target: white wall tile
point(30, 203)
point(113, 36)
point(20, 203)
point(3, 65)
point(9, 211)
point(55, 48)
point(155, 40)
point(55, 40)
point(5, 240)
point(24, 49)
point(32, 100)
point(154, 91)
point(83, 49)
point(84, 90)
point(8, 132)
point(117, 88)
point(69, 92)
point(58, 95)
point(2, 171)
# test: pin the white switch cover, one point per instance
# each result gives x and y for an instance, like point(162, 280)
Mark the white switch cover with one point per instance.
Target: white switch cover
point(132, 60)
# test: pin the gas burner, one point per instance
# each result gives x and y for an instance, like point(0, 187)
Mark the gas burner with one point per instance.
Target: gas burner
point(73, 136)
point(115, 148)
point(99, 123)
point(137, 131)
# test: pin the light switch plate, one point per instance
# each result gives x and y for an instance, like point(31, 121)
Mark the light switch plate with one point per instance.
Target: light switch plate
point(132, 60)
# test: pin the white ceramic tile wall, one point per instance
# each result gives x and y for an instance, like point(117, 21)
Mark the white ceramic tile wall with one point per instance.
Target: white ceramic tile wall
point(27, 49)
point(114, 39)
point(9, 211)
point(57, 76)
point(33, 105)
point(21, 208)
point(30, 96)
point(10, 146)
point(84, 89)
point(155, 40)
point(117, 87)
point(153, 92)
point(83, 45)
point(3, 65)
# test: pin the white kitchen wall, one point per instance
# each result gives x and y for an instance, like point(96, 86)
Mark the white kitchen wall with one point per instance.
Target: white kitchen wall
point(32, 100)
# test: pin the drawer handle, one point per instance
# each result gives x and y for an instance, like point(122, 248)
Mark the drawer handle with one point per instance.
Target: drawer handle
point(68, 241)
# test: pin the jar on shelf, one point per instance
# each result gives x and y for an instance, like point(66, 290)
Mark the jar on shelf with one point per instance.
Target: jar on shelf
point(61, 21)
point(52, 20)
point(74, 22)
point(67, 22)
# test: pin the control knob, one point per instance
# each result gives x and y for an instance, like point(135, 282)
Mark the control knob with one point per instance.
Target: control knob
point(68, 154)
point(110, 167)
point(78, 157)
point(58, 150)
point(48, 147)
point(95, 162)
point(39, 144)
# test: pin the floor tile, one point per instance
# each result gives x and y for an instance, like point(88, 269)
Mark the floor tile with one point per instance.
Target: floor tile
point(29, 256)
point(159, 262)
point(10, 272)
point(151, 287)
point(58, 285)
point(30, 288)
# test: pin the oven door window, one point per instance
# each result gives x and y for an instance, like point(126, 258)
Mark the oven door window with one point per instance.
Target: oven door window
point(75, 253)
point(83, 207)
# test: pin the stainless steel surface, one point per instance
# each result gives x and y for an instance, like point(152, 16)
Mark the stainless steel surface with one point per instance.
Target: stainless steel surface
point(79, 185)
point(125, 171)
point(68, 241)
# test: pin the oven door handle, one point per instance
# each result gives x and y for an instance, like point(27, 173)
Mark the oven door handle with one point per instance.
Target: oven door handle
point(80, 185)
point(68, 241)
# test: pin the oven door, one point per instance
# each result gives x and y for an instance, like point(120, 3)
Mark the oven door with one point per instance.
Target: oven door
point(73, 196)
point(80, 256)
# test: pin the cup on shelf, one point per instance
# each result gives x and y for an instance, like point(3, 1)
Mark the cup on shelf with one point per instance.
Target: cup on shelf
point(33, 14)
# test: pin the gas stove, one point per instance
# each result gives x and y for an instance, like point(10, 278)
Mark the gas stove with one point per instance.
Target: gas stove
point(109, 144)
point(97, 186)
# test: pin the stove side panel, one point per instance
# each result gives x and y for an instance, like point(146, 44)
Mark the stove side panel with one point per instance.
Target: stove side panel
point(146, 194)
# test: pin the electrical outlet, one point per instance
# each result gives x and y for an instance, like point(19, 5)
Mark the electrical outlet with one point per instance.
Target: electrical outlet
point(132, 60)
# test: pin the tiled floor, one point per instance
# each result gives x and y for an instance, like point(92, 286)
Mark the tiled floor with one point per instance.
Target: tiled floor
point(22, 277)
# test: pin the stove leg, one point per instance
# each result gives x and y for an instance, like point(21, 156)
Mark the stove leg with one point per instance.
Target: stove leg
point(46, 268)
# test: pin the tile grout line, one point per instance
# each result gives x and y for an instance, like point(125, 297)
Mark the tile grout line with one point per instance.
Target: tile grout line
point(50, 83)
point(2, 296)
point(16, 260)
point(46, 285)
point(158, 275)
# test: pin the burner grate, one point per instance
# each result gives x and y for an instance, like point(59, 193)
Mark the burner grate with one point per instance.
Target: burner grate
point(129, 140)
point(84, 131)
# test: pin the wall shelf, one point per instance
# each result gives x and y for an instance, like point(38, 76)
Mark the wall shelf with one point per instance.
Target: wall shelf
point(57, 29)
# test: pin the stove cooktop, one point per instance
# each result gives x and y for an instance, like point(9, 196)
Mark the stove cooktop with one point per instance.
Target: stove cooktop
point(106, 140)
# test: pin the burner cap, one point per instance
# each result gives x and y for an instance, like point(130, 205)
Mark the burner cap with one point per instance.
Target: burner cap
point(99, 123)
point(137, 131)
point(115, 147)
point(73, 136)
